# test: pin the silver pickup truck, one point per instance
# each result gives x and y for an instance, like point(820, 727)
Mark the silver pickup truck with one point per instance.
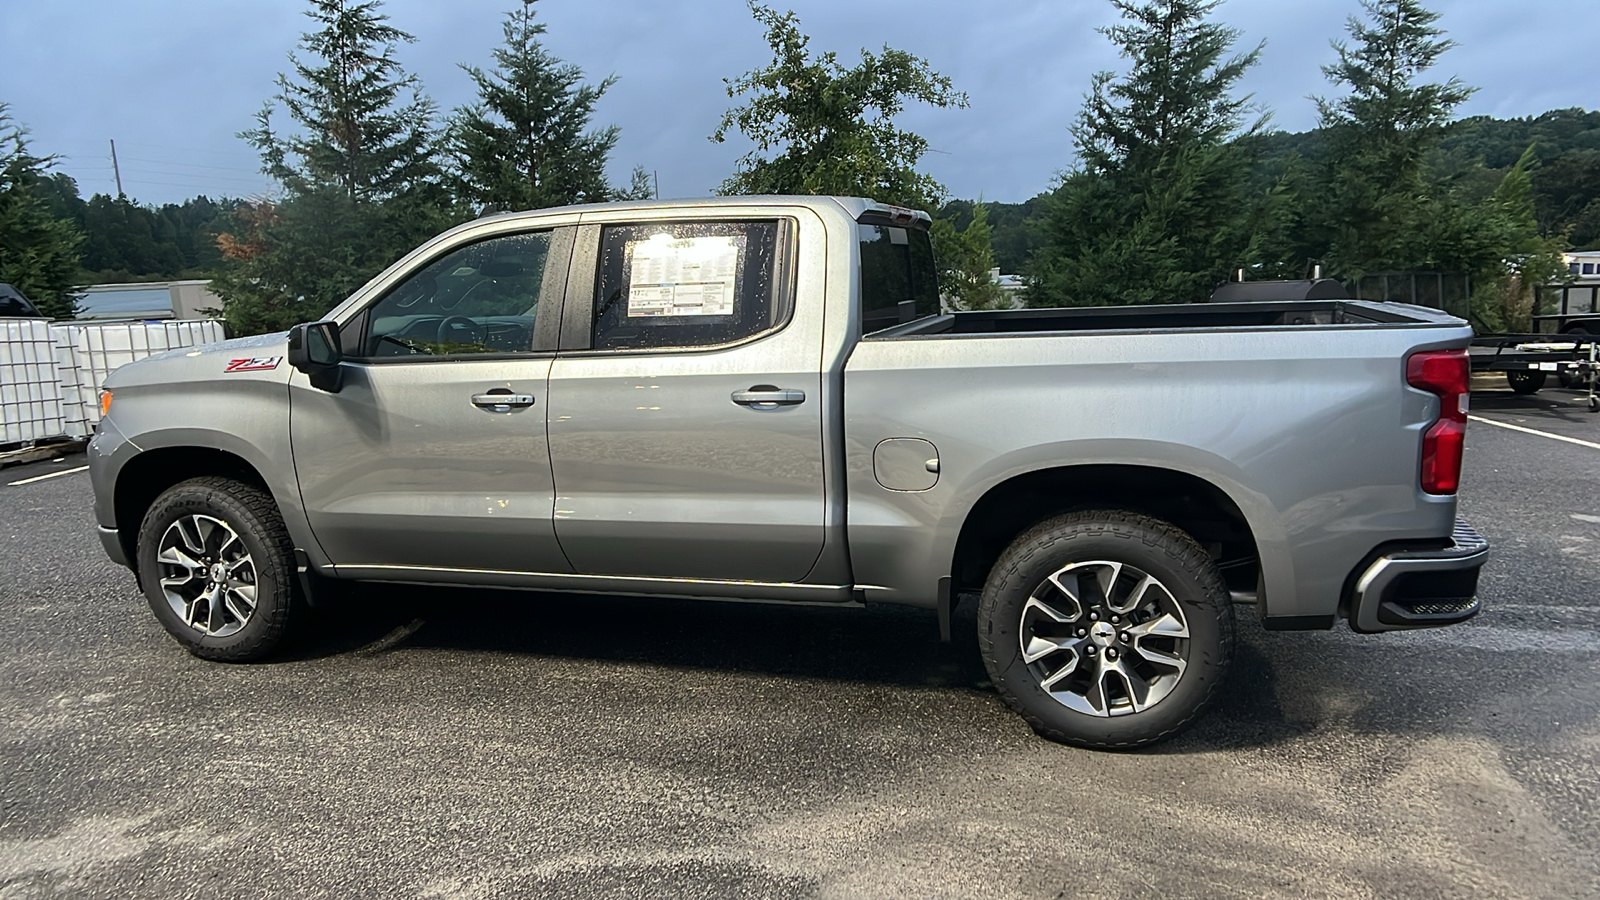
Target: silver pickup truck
point(760, 398)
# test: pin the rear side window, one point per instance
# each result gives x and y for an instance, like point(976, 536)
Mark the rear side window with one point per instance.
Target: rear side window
point(898, 280)
point(686, 284)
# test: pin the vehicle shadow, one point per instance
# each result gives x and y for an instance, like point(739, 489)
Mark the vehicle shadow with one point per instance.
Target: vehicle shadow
point(881, 645)
point(888, 645)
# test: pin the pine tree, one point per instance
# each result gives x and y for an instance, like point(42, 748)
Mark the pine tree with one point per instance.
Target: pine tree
point(641, 186)
point(1158, 210)
point(966, 261)
point(360, 131)
point(38, 250)
point(832, 128)
point(1376, 206)
point(526, 144)
point(359, 181)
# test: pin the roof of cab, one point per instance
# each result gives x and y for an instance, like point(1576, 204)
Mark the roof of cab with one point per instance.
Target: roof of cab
point(855, 207)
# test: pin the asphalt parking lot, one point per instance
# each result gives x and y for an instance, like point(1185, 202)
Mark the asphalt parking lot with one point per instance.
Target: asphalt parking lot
point(455, 743)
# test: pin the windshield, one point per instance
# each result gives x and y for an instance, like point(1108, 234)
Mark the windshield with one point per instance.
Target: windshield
point(899, 283)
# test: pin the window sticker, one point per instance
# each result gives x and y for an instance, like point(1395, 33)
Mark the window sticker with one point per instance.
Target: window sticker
point(695, 276)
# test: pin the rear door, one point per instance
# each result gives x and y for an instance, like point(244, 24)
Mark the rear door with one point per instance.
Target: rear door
point(685, 405)
point(433, 454)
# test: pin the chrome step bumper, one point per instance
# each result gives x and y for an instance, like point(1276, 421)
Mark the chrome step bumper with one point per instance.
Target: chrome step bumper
point(1421, 588)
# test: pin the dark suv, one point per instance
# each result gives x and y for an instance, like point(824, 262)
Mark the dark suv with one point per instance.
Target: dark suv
point(15, 306)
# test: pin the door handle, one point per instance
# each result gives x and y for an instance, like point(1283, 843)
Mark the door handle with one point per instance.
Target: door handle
point(765, 396)
point(502, 401)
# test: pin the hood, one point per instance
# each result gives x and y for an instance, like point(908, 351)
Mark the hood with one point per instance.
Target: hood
point(262, 357)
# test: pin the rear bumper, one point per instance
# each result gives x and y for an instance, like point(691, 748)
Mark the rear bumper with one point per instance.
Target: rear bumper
point(1402, 589)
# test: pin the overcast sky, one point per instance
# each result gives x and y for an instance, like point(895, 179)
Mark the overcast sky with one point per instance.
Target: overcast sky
point(173, 81)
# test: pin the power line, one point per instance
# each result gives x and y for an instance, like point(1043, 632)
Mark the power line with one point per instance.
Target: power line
point(193, 187)
point(174, 162)
point(171, 179)
point(201, 176)
point(185, 149)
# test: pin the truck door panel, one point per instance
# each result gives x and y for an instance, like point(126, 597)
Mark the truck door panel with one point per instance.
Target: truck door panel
point(434, 452)
point(686, 411)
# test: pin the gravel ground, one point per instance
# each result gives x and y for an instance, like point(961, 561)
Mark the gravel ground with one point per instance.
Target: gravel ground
point(456, 743)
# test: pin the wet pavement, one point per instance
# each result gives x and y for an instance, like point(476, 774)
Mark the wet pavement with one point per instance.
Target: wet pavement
point(458, 743)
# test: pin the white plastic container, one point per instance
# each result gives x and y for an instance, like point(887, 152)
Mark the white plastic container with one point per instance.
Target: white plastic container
point(88, 352)
point(31, 406)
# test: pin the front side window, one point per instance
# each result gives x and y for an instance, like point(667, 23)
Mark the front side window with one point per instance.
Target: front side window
point(899, 282)
point(685, 284)
point(481, 298)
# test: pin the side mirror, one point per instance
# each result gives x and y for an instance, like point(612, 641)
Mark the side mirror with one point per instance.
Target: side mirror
point(315, 350)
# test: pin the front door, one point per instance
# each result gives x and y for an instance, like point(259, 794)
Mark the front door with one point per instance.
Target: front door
point(433, 453)
point(686, 407)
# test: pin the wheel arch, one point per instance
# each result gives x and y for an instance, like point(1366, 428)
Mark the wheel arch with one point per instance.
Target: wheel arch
point(1193, 504)
point(146, 475)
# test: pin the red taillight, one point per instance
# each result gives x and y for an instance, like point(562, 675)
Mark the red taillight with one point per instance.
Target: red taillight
point(1447, 373)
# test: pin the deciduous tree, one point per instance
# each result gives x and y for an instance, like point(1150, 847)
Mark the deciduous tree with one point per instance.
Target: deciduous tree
point(821, 128)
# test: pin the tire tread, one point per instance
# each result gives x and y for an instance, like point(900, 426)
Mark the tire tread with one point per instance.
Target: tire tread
point(1153, 533)
point(270, 530)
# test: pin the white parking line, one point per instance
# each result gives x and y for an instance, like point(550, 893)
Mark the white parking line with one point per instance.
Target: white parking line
point(1554, 437)
point(51, 475)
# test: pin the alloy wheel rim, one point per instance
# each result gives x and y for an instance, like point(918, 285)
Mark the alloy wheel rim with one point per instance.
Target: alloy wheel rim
point(207, 575)
point(1104, 638)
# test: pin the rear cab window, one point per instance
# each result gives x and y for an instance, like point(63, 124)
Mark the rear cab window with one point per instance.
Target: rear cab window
point(899, 282)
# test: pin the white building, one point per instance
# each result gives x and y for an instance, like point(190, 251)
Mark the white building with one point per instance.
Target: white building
point(1585, 265)
point(144, 301)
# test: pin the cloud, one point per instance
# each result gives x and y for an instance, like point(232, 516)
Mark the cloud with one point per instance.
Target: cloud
point(174, 80)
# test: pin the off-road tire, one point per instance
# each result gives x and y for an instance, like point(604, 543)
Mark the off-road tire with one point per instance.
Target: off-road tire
point(253, 516)
point(1155, 547)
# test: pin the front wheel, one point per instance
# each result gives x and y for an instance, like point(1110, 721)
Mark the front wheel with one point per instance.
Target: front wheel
point(1106, 629)
point(217, 567)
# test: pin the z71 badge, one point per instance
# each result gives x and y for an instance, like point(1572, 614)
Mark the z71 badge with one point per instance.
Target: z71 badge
point(259, 364)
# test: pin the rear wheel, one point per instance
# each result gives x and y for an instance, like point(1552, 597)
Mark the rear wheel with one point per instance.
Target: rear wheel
point(1106, 629)
point(1525, 382)
point(217, 567)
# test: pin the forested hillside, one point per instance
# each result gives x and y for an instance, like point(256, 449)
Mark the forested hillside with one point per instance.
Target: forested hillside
point(1477, 151)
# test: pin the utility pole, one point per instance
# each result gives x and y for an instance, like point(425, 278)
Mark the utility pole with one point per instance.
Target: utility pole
point(115, 169)
point(657, 175)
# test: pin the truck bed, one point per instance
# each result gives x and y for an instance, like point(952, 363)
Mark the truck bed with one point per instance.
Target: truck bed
point(1284, 314)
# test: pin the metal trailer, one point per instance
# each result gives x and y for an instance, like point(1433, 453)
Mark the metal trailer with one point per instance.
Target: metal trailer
point(1528, 359)
point(1567, 309)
